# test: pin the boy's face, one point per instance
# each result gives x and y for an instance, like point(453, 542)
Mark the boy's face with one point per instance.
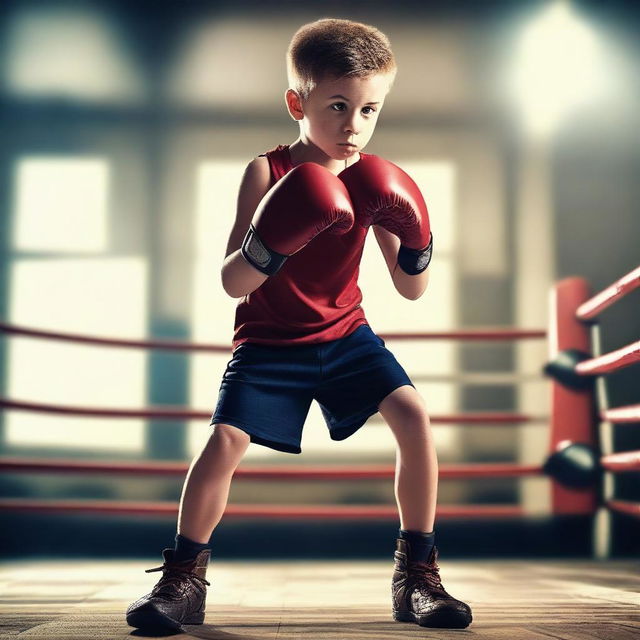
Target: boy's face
point(340, 114)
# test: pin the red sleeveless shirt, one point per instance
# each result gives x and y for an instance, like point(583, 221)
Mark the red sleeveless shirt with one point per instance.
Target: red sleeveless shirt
point(315, 296)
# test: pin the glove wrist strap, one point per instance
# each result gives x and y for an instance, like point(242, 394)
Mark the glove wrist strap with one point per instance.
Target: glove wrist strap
point(259, 255)
point(415, 261)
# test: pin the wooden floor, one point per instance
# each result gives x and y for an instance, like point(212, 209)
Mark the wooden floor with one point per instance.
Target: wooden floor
point(511, 600)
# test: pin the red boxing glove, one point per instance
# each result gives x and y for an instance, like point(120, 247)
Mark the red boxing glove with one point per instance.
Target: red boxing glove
point(308, 200)
point(384, 194)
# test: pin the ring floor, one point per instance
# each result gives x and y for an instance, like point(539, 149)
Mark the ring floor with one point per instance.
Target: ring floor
point(248, 600)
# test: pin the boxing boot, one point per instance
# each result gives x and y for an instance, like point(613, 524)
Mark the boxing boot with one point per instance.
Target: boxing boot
point(418, 595)
point(179, 596)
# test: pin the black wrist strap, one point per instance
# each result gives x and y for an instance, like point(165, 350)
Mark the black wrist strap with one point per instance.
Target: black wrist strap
point(415, 261)
point(259, 255)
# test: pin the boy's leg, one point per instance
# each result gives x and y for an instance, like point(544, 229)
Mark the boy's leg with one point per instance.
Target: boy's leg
point(206, 487)
point(179, 597)
point(416, 479)
point(417, 590)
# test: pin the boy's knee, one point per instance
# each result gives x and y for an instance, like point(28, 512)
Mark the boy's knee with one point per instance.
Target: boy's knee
point(405, 400)
point(230, 436)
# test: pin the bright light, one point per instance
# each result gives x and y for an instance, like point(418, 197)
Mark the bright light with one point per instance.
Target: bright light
point(557, 67)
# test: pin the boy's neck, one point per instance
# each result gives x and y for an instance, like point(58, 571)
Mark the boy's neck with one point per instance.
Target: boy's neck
point(303, 152)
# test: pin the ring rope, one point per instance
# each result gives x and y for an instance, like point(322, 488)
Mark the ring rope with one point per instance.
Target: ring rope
point(173, 413)
point(468, 334)
point(318, 472)
point(593, 307)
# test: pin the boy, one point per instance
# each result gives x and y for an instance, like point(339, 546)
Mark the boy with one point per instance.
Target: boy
point(300, 332)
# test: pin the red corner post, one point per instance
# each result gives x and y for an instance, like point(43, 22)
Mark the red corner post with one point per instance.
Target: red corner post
point(572, 411)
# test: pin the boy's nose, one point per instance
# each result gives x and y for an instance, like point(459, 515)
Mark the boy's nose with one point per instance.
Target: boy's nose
point(352, 128)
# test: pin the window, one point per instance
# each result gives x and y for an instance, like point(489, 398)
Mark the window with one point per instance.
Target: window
point(61, 208)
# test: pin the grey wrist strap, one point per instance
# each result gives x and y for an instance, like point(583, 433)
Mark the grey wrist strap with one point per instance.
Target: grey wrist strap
point(260, 256)
point(415, 261)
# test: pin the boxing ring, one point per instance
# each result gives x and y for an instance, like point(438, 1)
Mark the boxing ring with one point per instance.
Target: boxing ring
point(579, 465)
point(318, 599)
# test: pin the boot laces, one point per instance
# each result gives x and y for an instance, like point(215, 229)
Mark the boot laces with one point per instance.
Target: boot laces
point(173, 575)
point(426, 574)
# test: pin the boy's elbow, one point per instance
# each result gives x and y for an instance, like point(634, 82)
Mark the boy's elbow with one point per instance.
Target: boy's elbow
point(410, 287)
point(239, 278)
point(227, 282)
point(411, 295)
point(230, 293)
point(229, 277)
point(228, 286)
point(415, 295)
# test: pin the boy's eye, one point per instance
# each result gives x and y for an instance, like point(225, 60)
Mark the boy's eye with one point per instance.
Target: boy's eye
point(341, 106)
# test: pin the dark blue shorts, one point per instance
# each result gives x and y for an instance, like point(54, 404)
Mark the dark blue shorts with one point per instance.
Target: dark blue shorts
point(266, 391)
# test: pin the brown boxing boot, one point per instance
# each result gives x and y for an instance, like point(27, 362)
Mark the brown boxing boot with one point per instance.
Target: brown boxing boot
point(179, 596)
point(418, 595)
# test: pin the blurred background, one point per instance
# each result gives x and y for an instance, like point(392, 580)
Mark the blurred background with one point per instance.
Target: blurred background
point(125, 129)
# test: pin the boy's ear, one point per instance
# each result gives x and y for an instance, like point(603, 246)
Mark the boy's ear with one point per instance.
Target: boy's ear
point(294, 104)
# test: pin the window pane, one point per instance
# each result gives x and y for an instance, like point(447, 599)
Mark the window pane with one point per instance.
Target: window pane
point(61, 204)
point(93, 297)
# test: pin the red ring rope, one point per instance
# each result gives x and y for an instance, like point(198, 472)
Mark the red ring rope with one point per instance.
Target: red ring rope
point(176, 413)
point(319, 511)
point(317, 472)
point(468, 334)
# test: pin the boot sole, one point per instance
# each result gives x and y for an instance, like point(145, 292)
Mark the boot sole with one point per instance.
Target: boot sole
point(151, 618)
point(439, 619)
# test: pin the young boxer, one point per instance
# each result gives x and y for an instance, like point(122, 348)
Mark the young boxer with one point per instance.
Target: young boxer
point(301, 334)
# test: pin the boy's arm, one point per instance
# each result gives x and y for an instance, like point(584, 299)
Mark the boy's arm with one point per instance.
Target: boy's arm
point(411, 287)
point(276, 228)
point(238, 276)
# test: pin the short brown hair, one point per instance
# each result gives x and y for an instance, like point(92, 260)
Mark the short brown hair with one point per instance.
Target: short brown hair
point(339, 48)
